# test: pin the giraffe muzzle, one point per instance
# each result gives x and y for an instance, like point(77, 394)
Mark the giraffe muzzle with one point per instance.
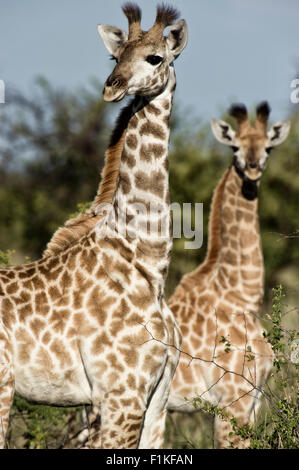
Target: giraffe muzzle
point(115, 88)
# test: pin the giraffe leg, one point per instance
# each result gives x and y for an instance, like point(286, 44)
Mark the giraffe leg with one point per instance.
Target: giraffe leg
point(6, 386)
point(152, 436)
point(121, 423)
point(6, 398)
point(90, 424)
point(244, 410)
point(92, 428)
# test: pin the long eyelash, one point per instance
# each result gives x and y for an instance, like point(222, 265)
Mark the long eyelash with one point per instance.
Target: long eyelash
point(111, 57)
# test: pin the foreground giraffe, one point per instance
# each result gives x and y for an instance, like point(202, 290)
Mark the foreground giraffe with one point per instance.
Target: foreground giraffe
point(218, 304)
point(77, 326)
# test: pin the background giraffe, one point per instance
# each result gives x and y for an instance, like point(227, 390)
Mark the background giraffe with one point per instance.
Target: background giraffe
point(77, 326)
point(220, 301)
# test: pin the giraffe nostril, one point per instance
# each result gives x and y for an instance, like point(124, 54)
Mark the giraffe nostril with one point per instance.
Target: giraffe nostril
point(115, 82)
point(108, 82)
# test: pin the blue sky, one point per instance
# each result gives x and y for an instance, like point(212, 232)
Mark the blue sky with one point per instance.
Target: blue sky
point(238, 50)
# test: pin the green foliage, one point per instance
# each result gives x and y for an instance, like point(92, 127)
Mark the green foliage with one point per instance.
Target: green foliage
point(227, 344)
point(5, 257)
point(276, 334)
point(37, 426)
point(52, 148)
point(278, 427)
point(81, 207)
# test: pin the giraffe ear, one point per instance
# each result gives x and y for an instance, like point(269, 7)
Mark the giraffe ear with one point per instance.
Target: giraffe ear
point(278, 133)
point(177, 38)
point(223, 132)
point(112, 37)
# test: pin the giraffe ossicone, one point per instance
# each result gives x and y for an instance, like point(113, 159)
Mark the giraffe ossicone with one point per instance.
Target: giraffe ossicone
point(88, 323)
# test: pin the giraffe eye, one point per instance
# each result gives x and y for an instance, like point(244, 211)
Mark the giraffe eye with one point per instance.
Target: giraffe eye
point(235, 149)
point(154, 59)
point(268, 149)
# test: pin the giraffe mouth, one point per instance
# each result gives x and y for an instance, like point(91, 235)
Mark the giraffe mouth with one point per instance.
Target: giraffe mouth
point(121, 95)
point(253, 175)
point(109, 95)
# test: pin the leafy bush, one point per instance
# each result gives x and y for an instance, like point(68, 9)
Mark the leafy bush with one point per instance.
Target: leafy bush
point(278, 423)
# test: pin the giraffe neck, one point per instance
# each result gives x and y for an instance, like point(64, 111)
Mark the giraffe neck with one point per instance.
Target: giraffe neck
point(234, 249)
point(140, 206)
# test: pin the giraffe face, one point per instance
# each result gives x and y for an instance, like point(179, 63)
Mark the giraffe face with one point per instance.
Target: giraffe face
point(251, 143)
point(142, 65)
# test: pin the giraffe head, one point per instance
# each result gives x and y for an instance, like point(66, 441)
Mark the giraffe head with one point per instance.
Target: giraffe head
point(143, 58)
point(251, 143)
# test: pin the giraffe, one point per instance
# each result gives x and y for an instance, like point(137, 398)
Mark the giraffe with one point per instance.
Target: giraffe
point(217, 305)
point(88, 322)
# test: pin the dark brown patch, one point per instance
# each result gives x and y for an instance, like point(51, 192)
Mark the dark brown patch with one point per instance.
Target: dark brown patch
point(98, 304)
point(27, 273)
point(46, 337)
point(59, 320)
point(88, 260)
point(41, 303)
point(129, 159)
point(131, 381)
point(227, 215)
point(229, 257)
point(147, 152)
point(61, 353)
point(133, 123)
point(154, 182)
point(124, 182)
point(37, 283)
point(83, 326)
point(131, 141)
point(54, 293)
point(153, 109)
point(12, 288)
point(66, 280)
point(114, 362)
point(100, 344)
point(151, 128)
point(8, 312)
point(119, 246)
point(52, 263)
point(237, 336)
point(130, 356)
point(23, 298)
point(25, 345)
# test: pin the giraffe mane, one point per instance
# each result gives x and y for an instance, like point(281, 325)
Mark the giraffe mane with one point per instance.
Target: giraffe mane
point(75, 228)
point(214, 241)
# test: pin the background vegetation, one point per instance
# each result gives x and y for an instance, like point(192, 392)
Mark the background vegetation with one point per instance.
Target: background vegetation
point(52, 148)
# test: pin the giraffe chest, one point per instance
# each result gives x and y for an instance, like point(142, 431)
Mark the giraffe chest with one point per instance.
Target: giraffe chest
point(64, 386)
